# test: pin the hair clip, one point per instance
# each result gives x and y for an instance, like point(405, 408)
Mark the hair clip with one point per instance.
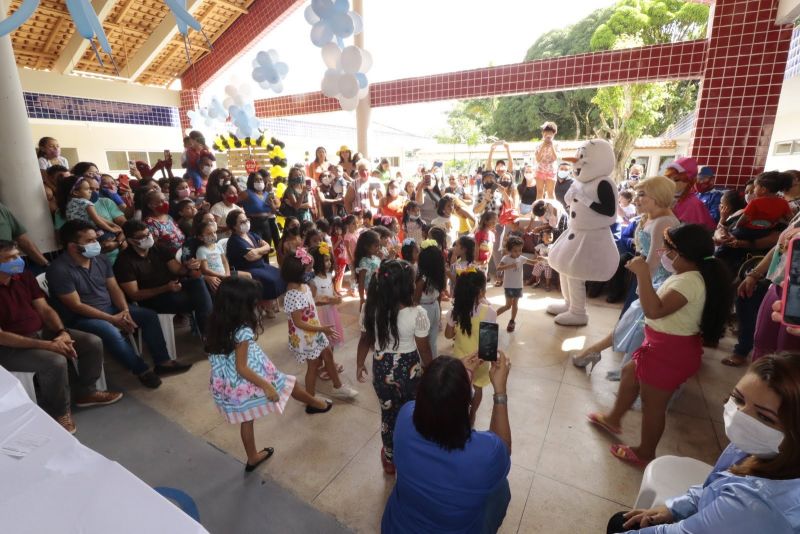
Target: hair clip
point(409, 241)
point(428, 243)
point(469, 269)
point(302, 255)
point(324, 249)
point(386, 219)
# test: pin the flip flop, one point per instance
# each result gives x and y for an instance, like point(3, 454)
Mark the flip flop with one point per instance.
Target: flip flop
point(511, 326)
point(249, 468)
point(597, 419)
point(339, 368)
point(323, 375)
point(626, 454)
point(733, 362)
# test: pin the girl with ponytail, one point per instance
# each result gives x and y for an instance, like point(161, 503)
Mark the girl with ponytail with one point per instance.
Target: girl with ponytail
point(687, 311)
point(397, 332)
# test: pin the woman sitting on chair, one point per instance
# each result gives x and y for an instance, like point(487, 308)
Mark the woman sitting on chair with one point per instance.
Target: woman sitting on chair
point(755, 485)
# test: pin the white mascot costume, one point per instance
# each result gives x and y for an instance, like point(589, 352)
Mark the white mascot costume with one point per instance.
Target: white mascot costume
point(586, 250)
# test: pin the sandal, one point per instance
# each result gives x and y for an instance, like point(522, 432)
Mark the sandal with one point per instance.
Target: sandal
point(598, 420)
point(511, 326)
point(734, 361)
point(498, 282)
point(249, 468)
point(626, 454)
point(323, 374)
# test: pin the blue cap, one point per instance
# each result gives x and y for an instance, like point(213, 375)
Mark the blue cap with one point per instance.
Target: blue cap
point(706, 171)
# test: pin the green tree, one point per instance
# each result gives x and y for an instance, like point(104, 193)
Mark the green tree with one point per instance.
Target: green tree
point(468, 122)
point(630, 110)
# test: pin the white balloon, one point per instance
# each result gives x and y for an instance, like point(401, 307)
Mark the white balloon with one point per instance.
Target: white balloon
point(366, 61)
point(330, 54)
point(358, 22)
point(348, 86)
point(227, 103)
point(245, 90)
point(277, 87)
point(310, 15)
point(231, 90)
point(330, 83)
point(363, 93)
point(348, 104)
point(273, 55)
point(351, 59)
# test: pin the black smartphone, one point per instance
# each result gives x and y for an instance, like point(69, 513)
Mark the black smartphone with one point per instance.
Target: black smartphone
point(791, 285)
point(487, 342)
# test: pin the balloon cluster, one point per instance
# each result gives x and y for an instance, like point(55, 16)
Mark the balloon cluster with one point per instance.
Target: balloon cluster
point(208, 116)
point(269, 71)
point(88, 25)
point(346, 77)
point(241, 109)
point(332, 19)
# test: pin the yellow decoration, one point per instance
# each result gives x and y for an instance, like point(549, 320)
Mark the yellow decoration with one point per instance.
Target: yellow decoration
point(324, 249)
point(470, 269)
point(428, 243)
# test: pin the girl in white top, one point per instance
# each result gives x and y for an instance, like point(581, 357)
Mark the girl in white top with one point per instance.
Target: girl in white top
point(213, 263)
point(49, 154)
point(430, 285)
point(326, 300)
point(397, 333)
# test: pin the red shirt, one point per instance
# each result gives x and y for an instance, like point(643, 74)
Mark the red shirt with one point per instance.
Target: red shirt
point(766, 212)
point(17, 314)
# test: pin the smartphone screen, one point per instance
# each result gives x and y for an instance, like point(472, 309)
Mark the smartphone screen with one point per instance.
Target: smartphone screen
point(791, 304)
point(308, 182)
point(487, 342)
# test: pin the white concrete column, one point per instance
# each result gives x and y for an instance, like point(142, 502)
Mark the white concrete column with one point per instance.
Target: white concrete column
point(21, 187)
point(363, 110)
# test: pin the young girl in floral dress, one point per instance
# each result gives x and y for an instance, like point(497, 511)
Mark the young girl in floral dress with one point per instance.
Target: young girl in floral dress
point(308, 338)
point(245, 384)
point(326, 299)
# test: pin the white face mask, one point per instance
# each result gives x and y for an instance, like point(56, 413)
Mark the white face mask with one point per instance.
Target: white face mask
point(206, 170)
point(750, 435)
point(563, 175)
point(146, 243)
point(258, 186)
point(666, 263)
point(244, 227)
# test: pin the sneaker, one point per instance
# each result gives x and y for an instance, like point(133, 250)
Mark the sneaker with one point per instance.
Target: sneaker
point(344, 392)
point(98, 398)
point(149, 379)
point(67, 422)
point(173, 369)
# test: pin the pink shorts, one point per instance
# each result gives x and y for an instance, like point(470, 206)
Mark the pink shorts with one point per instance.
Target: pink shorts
point(665, 361)
point(545, 174)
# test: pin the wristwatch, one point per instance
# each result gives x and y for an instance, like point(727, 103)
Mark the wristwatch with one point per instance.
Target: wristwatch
point(501, 398)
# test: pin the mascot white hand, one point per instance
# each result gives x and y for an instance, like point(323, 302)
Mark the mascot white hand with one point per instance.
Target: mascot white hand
point(586, 250)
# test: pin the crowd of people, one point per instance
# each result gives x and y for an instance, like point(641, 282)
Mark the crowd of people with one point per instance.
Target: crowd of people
point(230, 253)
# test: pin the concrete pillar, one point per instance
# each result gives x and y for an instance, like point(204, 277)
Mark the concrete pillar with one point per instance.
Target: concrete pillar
point(363, 110)
point(21, 187)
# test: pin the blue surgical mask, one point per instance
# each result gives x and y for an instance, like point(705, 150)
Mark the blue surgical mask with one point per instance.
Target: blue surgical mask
point(12, 267)
point(91, 250)
point(95, 197)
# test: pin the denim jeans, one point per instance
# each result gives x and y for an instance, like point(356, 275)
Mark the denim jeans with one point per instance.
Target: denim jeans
point(747, 313)
point(495, 508)
point(116, 342)
point(194, 297)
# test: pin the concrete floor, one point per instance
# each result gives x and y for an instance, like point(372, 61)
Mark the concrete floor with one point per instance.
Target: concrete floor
point(563, 479)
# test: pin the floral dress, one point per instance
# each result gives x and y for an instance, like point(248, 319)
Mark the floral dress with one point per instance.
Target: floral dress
point(304, 345)
point(238, 399)
point(167, 234)
point(370, 266)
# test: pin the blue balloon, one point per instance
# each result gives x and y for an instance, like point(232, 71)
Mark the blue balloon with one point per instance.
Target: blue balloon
point(362, 80)
point(323, 8)
point(18, 18)
point(321, 34)
point(271, 73)
point(259, 75)
point(342, 25)
point(342, 6)
point(80, 18)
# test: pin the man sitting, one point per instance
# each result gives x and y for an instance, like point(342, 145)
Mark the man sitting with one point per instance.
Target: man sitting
point(33, 340)
point(148, 276)
point(91, 300)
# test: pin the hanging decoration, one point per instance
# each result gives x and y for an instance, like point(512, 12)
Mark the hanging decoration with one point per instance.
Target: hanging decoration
point(89, 27)
point(346, 78)
point(269, 71)
point(275, 154)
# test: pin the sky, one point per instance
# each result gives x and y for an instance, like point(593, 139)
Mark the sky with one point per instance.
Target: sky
point(414, 38)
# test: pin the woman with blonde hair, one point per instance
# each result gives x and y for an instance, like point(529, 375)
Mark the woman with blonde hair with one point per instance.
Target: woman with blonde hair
point(653, 198)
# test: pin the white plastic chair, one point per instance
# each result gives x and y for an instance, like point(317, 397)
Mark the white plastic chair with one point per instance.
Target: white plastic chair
point(41, 279)
point(669, 476)
point(26, 379)
point(223, 244)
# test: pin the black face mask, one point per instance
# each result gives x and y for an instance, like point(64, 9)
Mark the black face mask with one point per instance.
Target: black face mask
point(506, 184)
point(489, 185)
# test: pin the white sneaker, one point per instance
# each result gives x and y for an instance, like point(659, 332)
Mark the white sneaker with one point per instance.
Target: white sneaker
point(344, 392)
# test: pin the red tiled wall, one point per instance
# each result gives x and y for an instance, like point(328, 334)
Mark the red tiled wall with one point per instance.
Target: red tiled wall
point(190, 99)
point(243, 34)
point(651, 63)
point(739, 96)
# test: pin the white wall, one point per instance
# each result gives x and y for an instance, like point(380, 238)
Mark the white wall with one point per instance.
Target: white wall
point(93, 139)
point(787, 127)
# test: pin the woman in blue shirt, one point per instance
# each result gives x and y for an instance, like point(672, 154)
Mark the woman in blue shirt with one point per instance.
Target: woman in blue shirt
point(256, 201)
point(755, 485)
point(450, 478)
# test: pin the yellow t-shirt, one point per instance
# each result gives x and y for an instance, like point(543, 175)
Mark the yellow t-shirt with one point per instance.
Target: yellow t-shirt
point(686, 321)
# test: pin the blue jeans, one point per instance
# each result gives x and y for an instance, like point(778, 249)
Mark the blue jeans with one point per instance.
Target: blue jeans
point(194, 297)
point(117, 344)
point(747, 313)
point(494, 510)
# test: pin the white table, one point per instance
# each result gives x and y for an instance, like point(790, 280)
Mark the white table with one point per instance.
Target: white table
point(66, 487)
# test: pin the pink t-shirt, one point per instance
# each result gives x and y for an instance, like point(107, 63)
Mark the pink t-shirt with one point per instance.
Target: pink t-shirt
point(692, 210)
